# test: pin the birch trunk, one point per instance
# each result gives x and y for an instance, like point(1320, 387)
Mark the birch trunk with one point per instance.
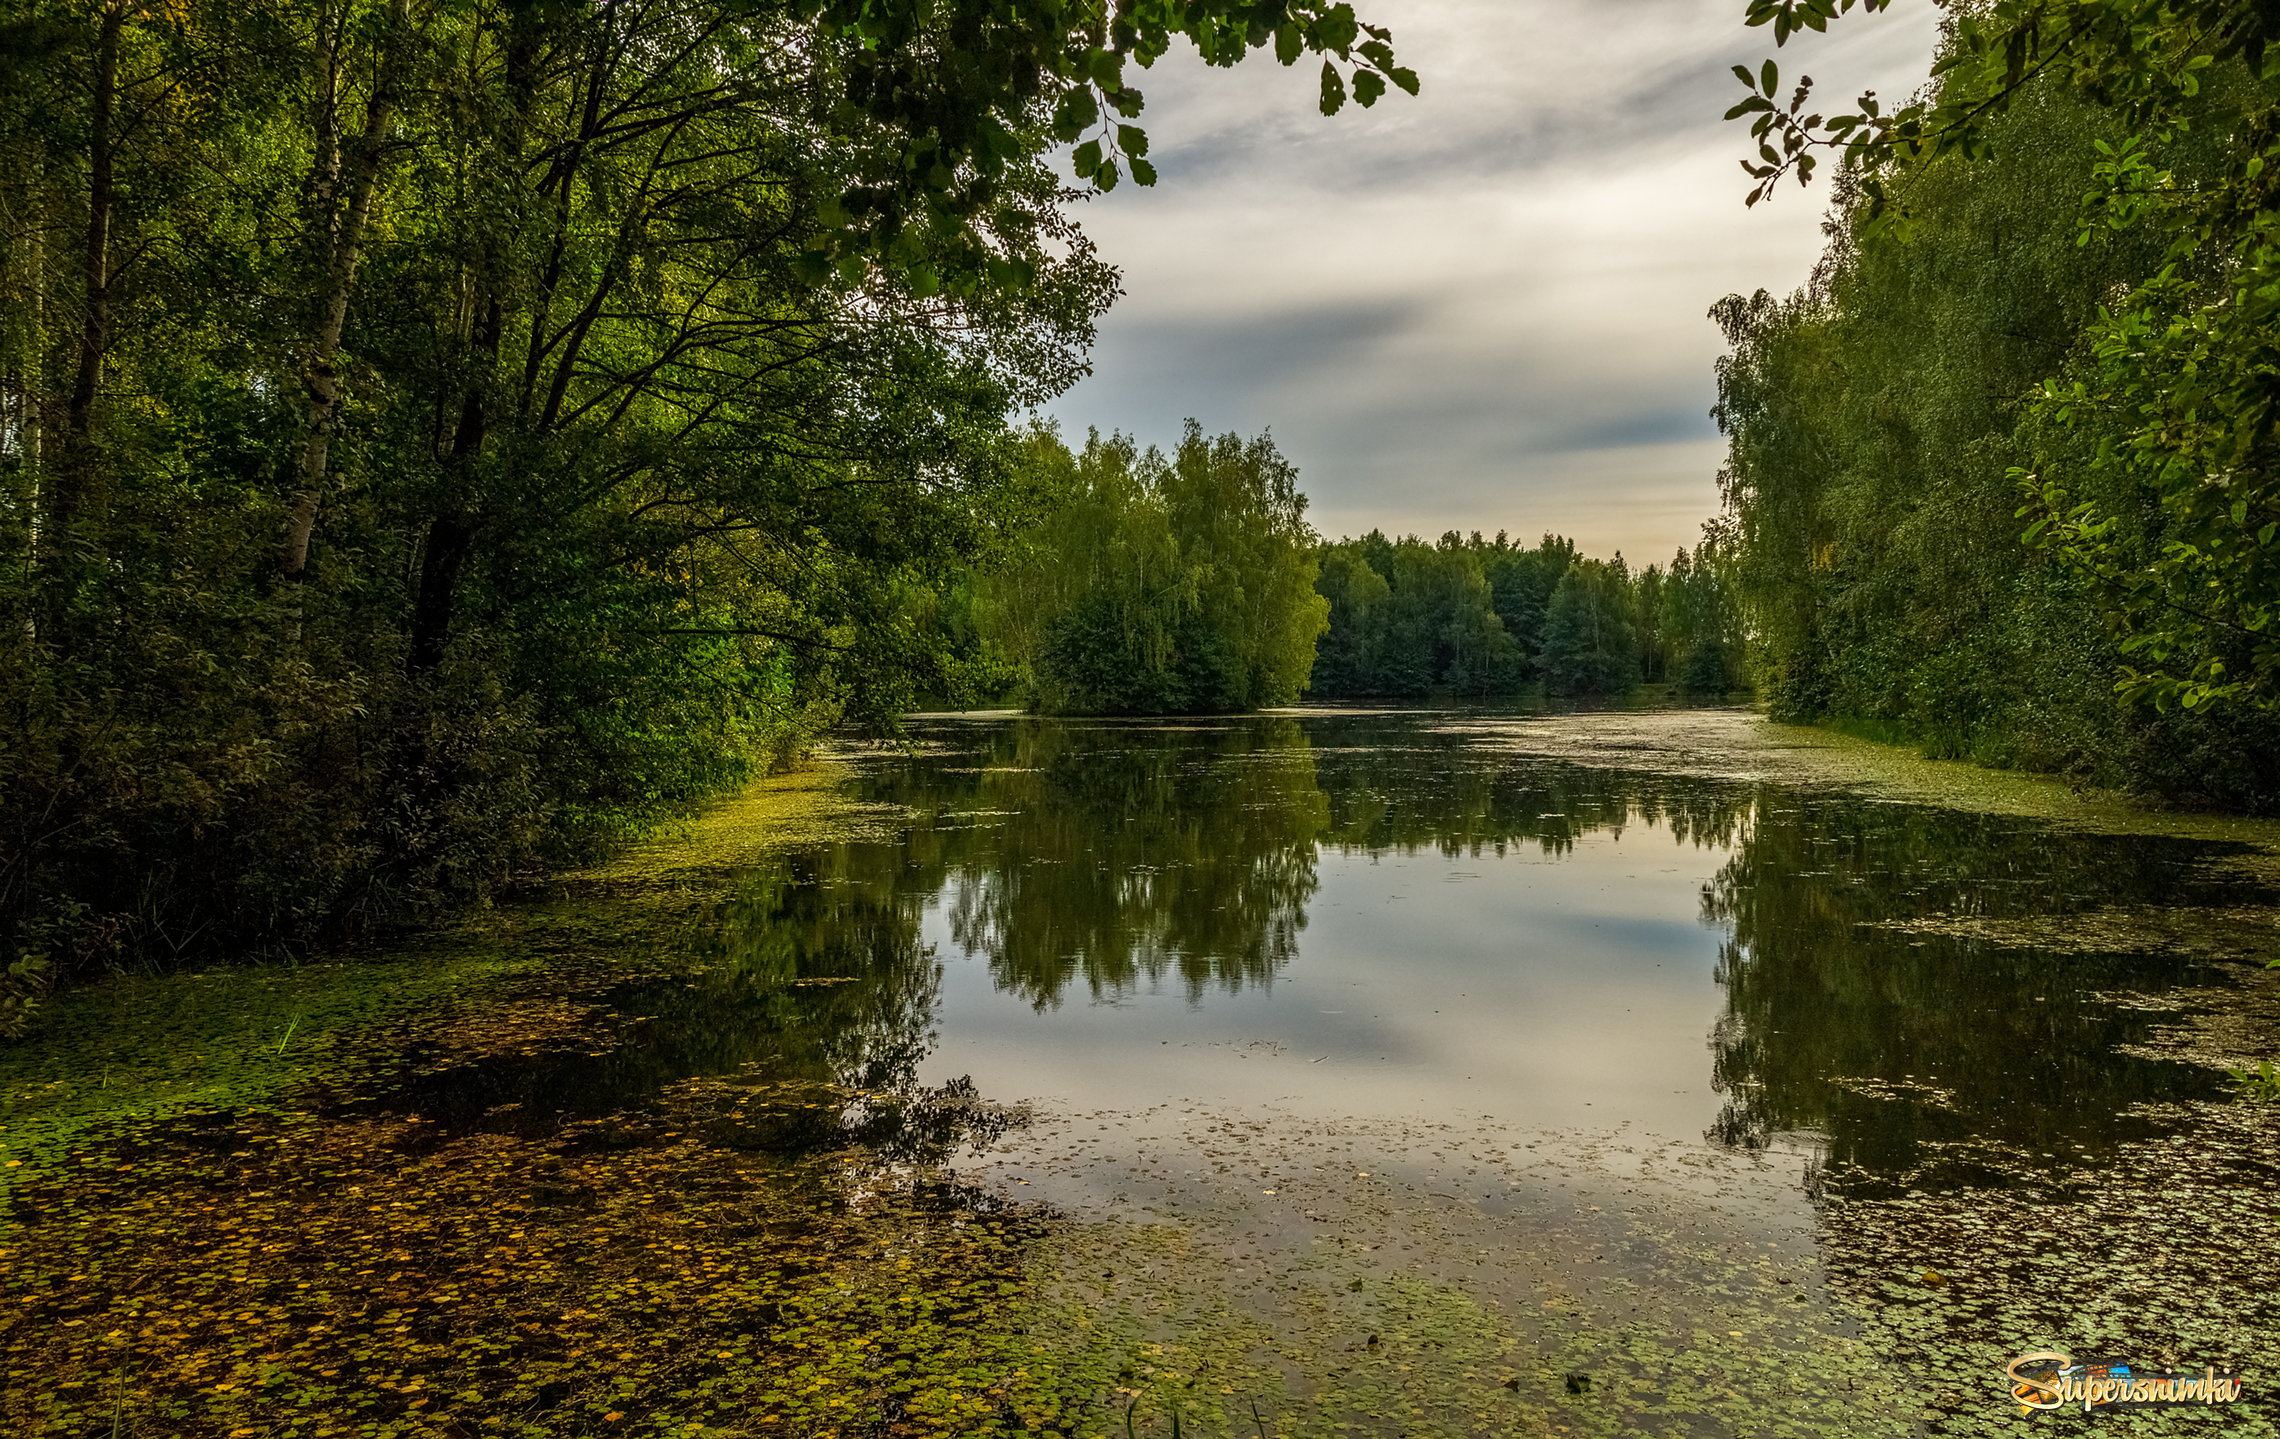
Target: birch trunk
point(343, 242)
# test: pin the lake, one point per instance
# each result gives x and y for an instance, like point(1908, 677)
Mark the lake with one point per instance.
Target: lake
point(1319, 1072)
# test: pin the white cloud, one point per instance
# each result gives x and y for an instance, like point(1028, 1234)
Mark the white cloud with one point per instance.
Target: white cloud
point(1484, 308)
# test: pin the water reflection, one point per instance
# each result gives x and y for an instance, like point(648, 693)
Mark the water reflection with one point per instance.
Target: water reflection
point(1111, 857)
point(1437, 793)
point(821, 959)
point(1909, 1048)
point(1136, 913)
point(1119, 855)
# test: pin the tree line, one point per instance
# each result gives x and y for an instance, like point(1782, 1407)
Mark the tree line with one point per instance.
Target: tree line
point(1968, 471)
point(1474, 618)
point(1154, 583)
point(1191, 582)
point(2006, 474)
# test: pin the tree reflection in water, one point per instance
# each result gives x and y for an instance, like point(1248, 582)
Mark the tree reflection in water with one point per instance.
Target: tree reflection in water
point(1858, 1016)
point(1120, 855)
point(1108, 857)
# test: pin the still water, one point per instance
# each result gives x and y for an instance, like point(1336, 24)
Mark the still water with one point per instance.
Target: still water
point(1322, 1073)
point(1626, 1054)
point(1375, 916)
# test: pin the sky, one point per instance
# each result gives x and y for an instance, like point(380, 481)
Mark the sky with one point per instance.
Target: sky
point(1484, 308)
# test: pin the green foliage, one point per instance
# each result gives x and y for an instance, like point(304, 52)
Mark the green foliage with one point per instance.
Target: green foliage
point(1473, 618)
point(931, 140)
point(2258, 1084)
point(22, 986)
point(1876, 420)
point(1156, 584)
point(1698, 628)
point(1521, 581)
point(2173, 510)
point(1590, 643)
point(1409, 619)
point(437, 440)
point(2152, 477)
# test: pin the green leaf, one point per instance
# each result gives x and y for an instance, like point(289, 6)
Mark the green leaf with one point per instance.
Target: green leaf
point(1077, 112)
point(1290, 43)
point(812, 269)
point(1143, 173)
point(1086, 159)
point(1368, 86)
point(1742, 73)
point(1333, 90)
point(1772, 78)
point(1405, 80)
point(1132, 140)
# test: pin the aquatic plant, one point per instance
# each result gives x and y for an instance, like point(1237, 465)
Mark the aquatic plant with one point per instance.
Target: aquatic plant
point(2259, 1084)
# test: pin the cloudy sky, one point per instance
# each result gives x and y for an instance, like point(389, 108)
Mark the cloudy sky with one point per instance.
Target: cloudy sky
point(1483, 308)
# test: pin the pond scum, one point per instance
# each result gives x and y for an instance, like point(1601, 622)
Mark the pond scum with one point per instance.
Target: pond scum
point(226, 1216)
point(219, 1223)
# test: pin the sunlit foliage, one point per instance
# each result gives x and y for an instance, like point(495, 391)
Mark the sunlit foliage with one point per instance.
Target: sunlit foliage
point(2149, 307)
point(1876, 419)
point(1159, 584)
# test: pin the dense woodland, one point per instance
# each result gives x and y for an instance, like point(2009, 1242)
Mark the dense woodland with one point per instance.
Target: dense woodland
point(2002, 475)
point(436, 439)
point(1155, 584)
point(1472, 618)
point(1192, 583)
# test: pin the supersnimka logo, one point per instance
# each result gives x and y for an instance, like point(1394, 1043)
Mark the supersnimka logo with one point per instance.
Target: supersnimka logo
point(2048, 1380)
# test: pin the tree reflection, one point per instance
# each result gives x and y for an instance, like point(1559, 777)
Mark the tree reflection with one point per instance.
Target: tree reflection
point(1416, 792)
point(1117, 856)
point(1910, 1051)
point(810, 971)
point(1097, 859)
point(824, 953)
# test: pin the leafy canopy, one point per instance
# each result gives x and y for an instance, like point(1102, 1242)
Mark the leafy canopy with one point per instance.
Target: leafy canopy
point(2170, 506)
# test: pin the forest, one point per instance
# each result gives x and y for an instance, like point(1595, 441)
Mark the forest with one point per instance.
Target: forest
point(2001, 474)
point(1473, 618)
point(438, 440)
point(1154, 584)
point(528, 908)
point(1193, 584)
